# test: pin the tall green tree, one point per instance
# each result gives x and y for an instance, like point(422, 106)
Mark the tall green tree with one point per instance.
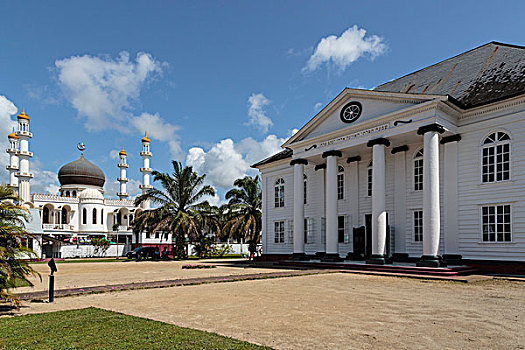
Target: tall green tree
point(13, 237)
point(245, 203)
point(179, 205)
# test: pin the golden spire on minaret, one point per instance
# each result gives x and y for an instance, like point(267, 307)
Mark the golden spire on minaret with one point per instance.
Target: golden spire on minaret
point(123, 153)
point(12, 135)
point(145, 138)
point(23, 115)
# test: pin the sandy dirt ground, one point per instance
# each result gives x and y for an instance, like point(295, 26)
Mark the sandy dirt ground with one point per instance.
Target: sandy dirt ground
point(333, 311)
point(73, 275)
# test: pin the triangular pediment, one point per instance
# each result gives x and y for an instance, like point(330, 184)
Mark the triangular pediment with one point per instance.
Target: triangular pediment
point(372, 105)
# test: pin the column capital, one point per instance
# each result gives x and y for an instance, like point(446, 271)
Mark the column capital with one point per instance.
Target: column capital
point(431, 127)
point(320, 166)
point(451, 138)
point(378, 141)
point(299, 161)
point(398, 149)
point(332, 153)
point(353, 159)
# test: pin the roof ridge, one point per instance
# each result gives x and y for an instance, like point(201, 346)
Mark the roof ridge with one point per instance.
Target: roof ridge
point(451, 58)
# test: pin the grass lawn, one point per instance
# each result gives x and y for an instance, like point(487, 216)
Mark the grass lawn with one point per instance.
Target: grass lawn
point(93, 328)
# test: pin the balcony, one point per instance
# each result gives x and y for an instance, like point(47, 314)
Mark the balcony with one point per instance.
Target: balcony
point(24, 154)
point(122, 179)
point(24, 175)
point(58, 227)
point(146, 170)
point(11, 150)
point(23, 133)
point(145, 154)
point(120, 165)
point(145, 187)
point(12, 167)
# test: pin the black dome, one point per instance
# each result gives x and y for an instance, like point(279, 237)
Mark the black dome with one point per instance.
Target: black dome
point(81, 172)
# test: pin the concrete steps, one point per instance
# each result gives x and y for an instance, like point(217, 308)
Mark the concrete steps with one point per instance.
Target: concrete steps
point(394, 269)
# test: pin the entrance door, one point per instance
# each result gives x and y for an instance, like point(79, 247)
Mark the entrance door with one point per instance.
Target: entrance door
point(368, 235)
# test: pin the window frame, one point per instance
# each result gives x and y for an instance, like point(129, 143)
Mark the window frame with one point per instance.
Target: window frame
point(280, 238)
point(369, 179)
point(340, 183)
point(418, 157)
point(341, 230)
point(511, 223)
point(279, 193)
point(421, 235)
point(494, 145)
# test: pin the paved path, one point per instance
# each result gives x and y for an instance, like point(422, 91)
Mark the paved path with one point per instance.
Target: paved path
point(332, 311)
point(41, 295)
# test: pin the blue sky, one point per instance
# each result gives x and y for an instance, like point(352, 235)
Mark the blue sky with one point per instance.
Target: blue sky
point(217, 84)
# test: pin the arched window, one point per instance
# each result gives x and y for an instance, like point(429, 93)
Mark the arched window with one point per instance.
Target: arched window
point(340, 182)
point(57, 217)
point(369, 179)
point(496, 157)
point(65, 216)
point(68, 194)
point(279, 193)
point(418, 171)
point(84, 216)
point(305, 187)
point(75, 194)
point(102, 216)
point(45, 215)
point(94, 216)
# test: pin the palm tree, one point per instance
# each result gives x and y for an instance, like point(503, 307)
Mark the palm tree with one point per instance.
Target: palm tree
point(245, 204)
point(13, 237)
point(179, 204)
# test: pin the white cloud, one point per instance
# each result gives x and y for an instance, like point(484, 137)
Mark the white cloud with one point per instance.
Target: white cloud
point(159, 129)
point(114, 154)
point(346, 49)
point(226, 161)
point(106, 92)
point(258, 117)
point(317, 106)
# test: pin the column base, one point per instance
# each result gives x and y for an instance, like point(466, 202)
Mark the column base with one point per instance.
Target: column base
point(431, 261)
point(453, 259)
point(376, 259)
point(331, 257)
point(298, 257)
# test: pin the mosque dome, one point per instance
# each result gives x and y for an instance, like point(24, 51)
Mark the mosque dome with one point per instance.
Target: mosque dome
point(81, 172)
point(90, 193)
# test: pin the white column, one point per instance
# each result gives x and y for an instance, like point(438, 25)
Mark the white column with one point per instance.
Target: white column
point(431, 210)
point(431, 215)
point(332, 249)
point(298, 206)
point(400, 209)
point(265, 237)
point(450, 197)
point(378, 200)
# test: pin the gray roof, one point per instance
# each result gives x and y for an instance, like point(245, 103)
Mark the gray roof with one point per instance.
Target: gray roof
point(286, 153)
point(81, 172)
point(486, 74)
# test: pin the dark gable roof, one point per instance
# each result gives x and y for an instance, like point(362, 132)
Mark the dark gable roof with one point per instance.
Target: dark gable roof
point(287, 153)
point(489, 73)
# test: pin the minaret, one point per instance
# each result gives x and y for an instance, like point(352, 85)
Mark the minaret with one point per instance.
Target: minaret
point(13, 157)
point(123, 165)
point(23, 175)
point(145, 170)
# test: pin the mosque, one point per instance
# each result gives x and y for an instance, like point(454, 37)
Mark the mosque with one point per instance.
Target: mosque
point(65, 223)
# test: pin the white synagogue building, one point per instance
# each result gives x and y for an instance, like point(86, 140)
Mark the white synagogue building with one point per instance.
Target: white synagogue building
point(428, 167)
point(63, 224)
